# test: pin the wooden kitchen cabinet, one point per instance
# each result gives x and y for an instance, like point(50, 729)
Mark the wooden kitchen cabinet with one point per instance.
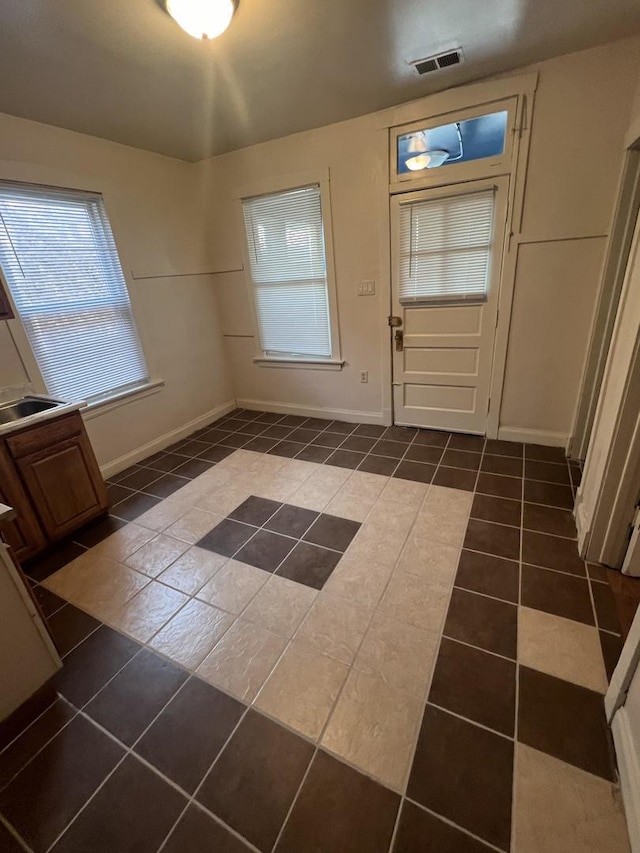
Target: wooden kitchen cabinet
point(51, 467)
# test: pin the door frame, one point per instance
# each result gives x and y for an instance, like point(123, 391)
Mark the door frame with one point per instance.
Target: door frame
point(501, 186)
point(627, 667)
point(523, 88)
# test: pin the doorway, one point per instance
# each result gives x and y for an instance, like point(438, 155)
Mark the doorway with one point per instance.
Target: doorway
point(447, 247)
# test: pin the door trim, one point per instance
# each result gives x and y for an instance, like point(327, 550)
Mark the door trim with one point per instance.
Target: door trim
point(523, 87)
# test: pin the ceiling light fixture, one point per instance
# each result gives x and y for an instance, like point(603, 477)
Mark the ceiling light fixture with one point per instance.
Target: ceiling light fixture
point(202, 19)
point(421, 157)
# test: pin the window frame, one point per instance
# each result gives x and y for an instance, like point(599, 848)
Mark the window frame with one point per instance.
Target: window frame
point(37, 177)
point(275, 186)
point(455, 173)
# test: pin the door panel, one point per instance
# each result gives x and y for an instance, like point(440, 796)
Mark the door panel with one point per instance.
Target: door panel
point(442, 370)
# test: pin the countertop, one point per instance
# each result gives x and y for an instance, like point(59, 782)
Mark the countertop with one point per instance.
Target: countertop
point(49, 414)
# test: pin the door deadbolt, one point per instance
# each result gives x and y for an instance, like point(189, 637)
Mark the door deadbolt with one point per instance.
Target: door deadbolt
point(399, 339)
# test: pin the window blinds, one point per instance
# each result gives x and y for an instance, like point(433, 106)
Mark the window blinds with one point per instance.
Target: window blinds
point(285, 242)
point(60, 262)
point(445, 247)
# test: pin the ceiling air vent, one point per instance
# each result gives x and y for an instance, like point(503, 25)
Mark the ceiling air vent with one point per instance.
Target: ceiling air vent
point(438, 62)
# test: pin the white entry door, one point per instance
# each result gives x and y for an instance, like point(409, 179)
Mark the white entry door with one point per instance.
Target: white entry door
point(446, 245)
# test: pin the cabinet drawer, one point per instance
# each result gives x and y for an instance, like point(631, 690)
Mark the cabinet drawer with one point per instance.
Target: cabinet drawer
point(45, 434)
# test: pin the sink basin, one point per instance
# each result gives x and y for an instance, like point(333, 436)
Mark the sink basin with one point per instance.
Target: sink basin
point(19, 409)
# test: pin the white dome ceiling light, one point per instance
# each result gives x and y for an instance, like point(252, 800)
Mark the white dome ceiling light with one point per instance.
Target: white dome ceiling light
point(421, 157)
point(202, 19)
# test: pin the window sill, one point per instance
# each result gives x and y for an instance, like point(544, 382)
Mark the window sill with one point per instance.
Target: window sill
point(300, 363)
point(108, 404)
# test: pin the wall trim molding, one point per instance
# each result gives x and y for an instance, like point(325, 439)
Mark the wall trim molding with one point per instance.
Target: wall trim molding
point(534, 436)
point(350, 415)
point(123, 462)
point(629, 772)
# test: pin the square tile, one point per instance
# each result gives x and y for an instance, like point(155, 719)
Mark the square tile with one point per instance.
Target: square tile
point(162, 515)
point(147, 612)
point(145, 805)
point(564, 720)
point(400, 433)
point(342, 427)
point(399, 654)
point(558, 807)
point(287, 449)
point(476, 685)
point(233, 587)
point(498, 510)
point(461, 459)
point(189, 636)
point(373, 727)
point(483, 622)
point(328, 439)
point(266, 550)
point(255, 511)
point(42, 799)
point(455, 478)
point(499, 486)
point(69, 626)
point(192, 525)
point(550, 472)
point(165, 486)
point(490, 538)
point(383, 465)
point(471, 443)
point(33, 739)
point(311, 453)
point(552, 552)
point(190, 732)
point(561, 647)
point(91, 664)
point(193, 468)
point(302, 689)
point(432, 437)
point(429, 558)
point(345, 458)
point(291, 520)
point(128, 703)
point(280, 606)
point(196, 832)
point(359, 443)
point(420, 472)
point(419, 831)
point(123, 542)
point(359, 580)
point(332, 532)
point(543, 453)
point(370, 430)
point(611, 649)
point(451, 750)
point(242, 660)
point(339, 809)
point(41, 567)
point(424, 453)
point(140, 478)
point(395, 449)
point(252, 785)
point(192, 570)
point(261, 444)
point(309, 564)
point(157, 555)
point(409, 493)
point(605, 606)
point(489, 575)
point(549, 520)
point(317, 423)
point(335, 627)
point(499, 447)
point(217, 453)
point(133, 507)
point(227, 537)
point(548, 494)
point(556, 593)
point(293, 420)
point(506, 465)
point(418, 600)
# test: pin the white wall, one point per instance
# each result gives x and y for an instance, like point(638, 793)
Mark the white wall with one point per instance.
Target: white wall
point(581, 115)
point(155, 208)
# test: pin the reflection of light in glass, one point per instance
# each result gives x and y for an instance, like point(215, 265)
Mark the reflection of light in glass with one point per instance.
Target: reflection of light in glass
point(430, 160)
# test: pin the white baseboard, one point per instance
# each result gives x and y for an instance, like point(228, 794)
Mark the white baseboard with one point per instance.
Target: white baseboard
point(123, 462)
point(349, 415)
point(534, 436)
point(629, 770)
point(582, 526)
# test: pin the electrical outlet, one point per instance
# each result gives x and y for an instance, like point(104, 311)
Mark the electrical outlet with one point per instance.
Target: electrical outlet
point(364, 376)
point(366, 288)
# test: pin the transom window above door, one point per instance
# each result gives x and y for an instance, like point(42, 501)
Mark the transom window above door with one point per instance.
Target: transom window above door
point(288, 265)
point(444, 247)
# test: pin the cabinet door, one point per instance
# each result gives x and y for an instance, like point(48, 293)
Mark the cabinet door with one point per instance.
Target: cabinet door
point(64, 484)
point(23, 535)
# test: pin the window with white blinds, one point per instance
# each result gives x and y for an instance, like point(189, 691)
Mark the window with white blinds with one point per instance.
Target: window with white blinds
point(445, 247)
point(60, 261)
point(285, 242)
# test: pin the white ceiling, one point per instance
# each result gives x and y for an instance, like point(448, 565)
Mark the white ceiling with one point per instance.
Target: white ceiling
point(123, 70)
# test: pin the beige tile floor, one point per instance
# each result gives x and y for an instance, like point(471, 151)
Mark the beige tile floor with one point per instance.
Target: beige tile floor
point(347, 667)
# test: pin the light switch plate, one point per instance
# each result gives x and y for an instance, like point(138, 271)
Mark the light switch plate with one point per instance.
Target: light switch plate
point(366, 288)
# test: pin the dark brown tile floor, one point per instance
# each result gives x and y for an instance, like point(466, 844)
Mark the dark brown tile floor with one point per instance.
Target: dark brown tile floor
point(136, 754)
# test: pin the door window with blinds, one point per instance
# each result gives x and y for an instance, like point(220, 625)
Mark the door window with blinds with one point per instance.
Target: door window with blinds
point(445, 247)
point(288, 273)
point(60, 262)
